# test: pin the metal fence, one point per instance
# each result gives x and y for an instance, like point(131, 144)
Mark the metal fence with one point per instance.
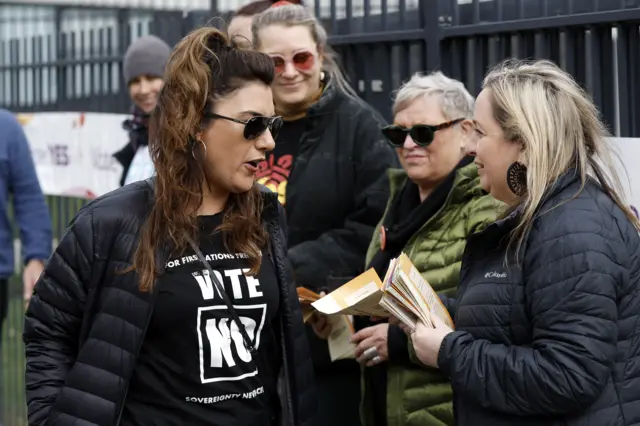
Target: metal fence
point(596, 41)
point(69, 58)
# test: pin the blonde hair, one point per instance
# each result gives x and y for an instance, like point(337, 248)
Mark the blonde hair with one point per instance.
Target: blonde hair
point(455, 100)
point(294, 15)
point(543, 108)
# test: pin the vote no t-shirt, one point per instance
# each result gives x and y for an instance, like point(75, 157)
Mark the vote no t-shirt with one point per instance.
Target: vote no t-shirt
point(194, 368)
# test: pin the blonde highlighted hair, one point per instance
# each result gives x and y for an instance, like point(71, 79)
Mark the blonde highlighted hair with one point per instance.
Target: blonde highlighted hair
point(542, 107)
point(294, 15)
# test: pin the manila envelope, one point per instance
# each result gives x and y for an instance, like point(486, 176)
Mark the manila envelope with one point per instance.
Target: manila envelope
point(360, 296)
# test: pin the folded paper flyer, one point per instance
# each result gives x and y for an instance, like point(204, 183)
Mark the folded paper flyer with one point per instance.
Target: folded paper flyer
point(403, 294)
point(341, 326)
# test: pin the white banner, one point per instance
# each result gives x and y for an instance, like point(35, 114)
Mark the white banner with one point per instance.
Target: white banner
point(73, 152)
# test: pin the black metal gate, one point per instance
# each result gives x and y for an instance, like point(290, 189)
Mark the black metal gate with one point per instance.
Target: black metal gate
point(62, 58)
point(596, 41)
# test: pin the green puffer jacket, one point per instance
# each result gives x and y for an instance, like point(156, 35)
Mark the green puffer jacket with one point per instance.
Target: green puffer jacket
point(421, 396)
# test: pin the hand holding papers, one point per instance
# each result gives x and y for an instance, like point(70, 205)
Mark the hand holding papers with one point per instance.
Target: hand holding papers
point(306, 297)
point(403, 294)
point(341, 326)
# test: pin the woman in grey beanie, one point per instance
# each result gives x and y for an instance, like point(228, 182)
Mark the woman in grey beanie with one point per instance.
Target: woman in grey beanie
point(143, 67)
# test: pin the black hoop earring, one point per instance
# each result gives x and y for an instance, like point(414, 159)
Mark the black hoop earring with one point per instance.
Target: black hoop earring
point(517, 178)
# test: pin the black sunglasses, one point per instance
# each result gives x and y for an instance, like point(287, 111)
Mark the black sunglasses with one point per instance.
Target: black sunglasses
point(255, 126)
point(422, 134)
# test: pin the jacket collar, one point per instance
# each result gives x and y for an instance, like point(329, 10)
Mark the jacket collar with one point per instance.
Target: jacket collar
point(568, 178)
point(270, 200)
point(565, 180)
point(327, 101)
point(465, 185)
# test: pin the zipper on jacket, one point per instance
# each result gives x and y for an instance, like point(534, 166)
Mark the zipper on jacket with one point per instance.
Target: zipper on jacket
point(274, 228)
point(287, 385)
point(137, 354)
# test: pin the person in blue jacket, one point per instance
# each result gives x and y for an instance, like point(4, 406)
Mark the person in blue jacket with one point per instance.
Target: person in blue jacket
point(19, 183)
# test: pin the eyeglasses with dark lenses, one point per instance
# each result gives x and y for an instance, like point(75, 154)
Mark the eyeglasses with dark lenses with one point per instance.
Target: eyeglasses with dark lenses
point(421, 134)
point(255, 126)
point(302, 61)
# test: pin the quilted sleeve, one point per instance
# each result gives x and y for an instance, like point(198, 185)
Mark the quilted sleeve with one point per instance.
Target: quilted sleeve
point(572, 269)
point(53, 319)
point(482, 212)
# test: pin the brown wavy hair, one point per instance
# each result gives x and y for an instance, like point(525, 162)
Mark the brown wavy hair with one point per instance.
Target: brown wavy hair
point(202, 69)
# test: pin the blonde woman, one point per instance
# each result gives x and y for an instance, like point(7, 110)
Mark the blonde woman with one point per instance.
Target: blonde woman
point(548, 312)
point(329, 169)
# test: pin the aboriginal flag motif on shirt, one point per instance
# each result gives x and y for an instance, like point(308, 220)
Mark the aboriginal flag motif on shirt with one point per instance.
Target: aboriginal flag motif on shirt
point(275, 171)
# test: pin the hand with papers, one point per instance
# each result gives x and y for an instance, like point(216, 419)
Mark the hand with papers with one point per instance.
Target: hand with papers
point(336, 329)
point(320, 322)
point(427, 340)
point(321, 325)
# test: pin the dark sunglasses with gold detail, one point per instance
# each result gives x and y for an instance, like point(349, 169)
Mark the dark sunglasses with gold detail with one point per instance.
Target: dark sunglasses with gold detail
point(422, 134)
point(255, 126)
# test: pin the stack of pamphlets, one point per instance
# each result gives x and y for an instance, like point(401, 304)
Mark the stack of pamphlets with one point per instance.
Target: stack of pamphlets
point(404, 294)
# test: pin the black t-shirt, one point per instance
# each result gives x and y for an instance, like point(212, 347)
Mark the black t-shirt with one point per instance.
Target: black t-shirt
point(193, 367)
point(275, 171)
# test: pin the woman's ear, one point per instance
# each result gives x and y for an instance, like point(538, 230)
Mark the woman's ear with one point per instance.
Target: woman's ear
point(320, 55)
point(466, 128)
point(523, 157)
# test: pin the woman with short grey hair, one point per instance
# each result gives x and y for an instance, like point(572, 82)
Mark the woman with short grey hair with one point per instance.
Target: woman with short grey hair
point(436, 202)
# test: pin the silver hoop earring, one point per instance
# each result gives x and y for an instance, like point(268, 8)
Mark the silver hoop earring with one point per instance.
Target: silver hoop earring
point(193, 151)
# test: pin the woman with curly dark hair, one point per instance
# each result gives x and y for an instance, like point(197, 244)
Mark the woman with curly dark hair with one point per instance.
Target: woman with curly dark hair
point(167, 301)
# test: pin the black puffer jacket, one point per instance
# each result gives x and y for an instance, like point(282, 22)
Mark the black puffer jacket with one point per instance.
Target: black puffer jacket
point(337, 190)
point(556, 341)
point(86, 320)
point(336, 195)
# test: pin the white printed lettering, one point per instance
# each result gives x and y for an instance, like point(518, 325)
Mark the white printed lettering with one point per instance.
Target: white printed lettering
point(189, 259)
point(173, 263)
point(234, 275)
point(217, 338)
point(253, 284)
point(495, 274)
point(220, 337)
point(206, 284)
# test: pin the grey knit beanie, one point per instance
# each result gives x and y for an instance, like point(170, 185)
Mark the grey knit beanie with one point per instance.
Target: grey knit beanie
point(146, 56)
